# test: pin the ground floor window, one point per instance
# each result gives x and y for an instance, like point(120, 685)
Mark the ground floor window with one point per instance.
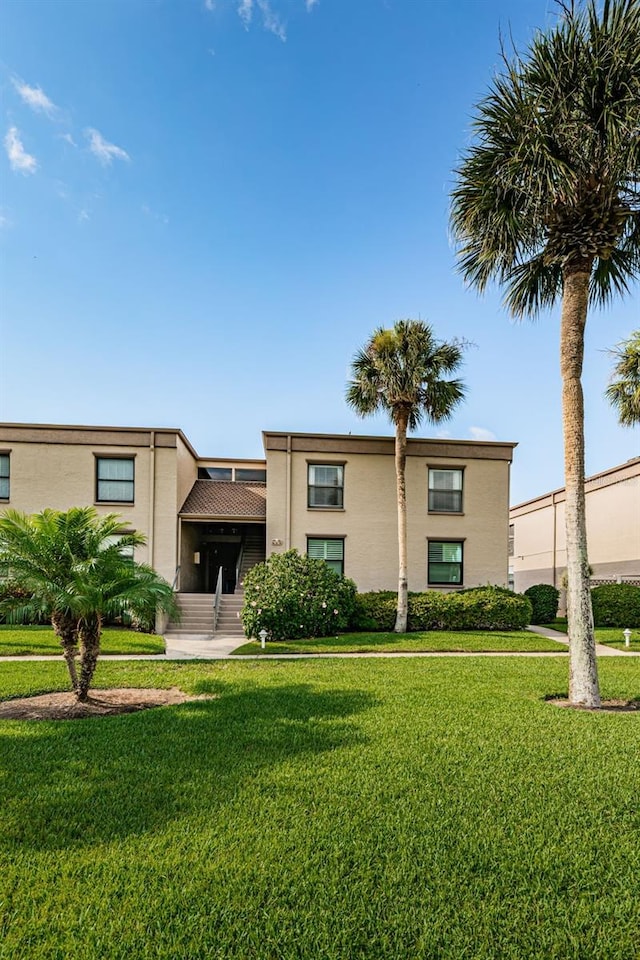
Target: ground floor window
point(445, 561)
point(4, 476)
point(332, 551)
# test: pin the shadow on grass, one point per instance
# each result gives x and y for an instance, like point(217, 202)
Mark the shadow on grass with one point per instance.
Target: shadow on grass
point(83, 782)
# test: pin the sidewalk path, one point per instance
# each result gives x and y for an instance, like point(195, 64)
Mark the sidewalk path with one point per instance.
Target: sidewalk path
point(220, 648)
point(601, 649)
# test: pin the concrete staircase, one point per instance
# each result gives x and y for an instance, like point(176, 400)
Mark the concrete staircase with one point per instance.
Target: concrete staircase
point(197, 608)
point(229, 623)
point(196, 616)
point(253, 552)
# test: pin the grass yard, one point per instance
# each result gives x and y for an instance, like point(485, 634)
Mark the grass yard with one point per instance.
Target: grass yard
point(324, 810)
point(19, 641)
point(609, 636)
point(470, 641)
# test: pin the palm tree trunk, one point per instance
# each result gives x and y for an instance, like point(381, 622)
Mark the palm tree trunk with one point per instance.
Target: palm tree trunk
point(66, 630)
point(89, 632)
point(401, 461)
point(583, 668)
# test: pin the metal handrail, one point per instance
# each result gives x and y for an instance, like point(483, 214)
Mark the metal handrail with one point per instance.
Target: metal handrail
point(239, 565)
point(175, 579)
point(216, 600)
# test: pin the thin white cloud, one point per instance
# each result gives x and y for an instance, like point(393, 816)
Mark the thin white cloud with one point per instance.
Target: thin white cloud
point(310, 4)
point(481, 433)
point(148, 212)
point(83, 215)
point(209, 4)
point(35, 97)
point(102, 149)
point(20, 160)
point(69, 139)
point(245, 11)
point(4, 222)
point(271, 21)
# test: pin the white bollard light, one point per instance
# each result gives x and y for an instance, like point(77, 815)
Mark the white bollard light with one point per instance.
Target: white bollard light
point(627, 636)
point(263, 637)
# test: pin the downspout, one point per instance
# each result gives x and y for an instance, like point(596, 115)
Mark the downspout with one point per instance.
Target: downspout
point(287, 518)
point(555, 528)
point(152, 493)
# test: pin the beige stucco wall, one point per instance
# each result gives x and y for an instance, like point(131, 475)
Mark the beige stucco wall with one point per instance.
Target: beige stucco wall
point(612, 503)
point(368, 521)
point(55, 467)
point(187, 471)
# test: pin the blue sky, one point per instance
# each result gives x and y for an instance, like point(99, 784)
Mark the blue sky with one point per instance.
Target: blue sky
point(208, 205)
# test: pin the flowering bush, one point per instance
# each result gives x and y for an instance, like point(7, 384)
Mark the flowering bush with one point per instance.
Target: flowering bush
point(292, 596)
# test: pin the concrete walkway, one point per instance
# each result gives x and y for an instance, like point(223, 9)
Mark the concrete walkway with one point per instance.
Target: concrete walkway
point(221, 647)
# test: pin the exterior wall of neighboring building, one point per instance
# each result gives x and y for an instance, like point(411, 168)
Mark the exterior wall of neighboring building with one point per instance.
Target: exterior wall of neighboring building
point(612, 502)
point(55, 467)
point(367, 521)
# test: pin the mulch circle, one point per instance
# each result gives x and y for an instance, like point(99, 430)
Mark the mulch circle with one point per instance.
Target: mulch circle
point(101, 703)
point(607, 706)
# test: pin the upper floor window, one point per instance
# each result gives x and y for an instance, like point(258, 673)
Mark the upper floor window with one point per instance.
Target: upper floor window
point(445, 490)
point(512, 538)
point(115, 479)
point(249, 475)
point(331, 551)
point(237, 474)
point(4, 476)
point(444, 562)
point(326, 485)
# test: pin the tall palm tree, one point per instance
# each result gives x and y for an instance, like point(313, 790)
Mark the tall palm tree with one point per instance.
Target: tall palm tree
point(74, 567)
point(547, 203)
point(623, 393)
point(400, 371)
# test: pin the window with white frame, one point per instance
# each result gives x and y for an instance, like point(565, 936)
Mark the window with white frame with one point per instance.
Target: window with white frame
point(326, 485)
point(445, 490)
point(4, 476)
point(445, 562)
point(329, 550)
point(115, 479)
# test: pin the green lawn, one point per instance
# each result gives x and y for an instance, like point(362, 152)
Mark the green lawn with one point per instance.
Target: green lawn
point(18, 641)
point(610, 636)
point(324, 810)
point(432, 642)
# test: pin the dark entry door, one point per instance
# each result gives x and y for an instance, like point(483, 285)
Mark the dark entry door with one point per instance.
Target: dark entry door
point(223, 555)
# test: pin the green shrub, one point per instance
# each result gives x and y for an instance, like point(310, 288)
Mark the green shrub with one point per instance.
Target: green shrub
point(616, 605)
point(292, 596)
point(544, 600)
point(375, 611)
point(480, 608)
point(13, 598)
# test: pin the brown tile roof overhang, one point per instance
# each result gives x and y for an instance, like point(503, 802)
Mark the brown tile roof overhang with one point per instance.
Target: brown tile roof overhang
point(222, 500)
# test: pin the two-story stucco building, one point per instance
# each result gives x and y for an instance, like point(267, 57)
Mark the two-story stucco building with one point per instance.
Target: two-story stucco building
point(207, 519)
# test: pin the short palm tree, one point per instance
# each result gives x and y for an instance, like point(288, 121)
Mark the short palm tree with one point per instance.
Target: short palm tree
point(547, 203)
point(623, 393)
point(400, 371)
point(73, 567)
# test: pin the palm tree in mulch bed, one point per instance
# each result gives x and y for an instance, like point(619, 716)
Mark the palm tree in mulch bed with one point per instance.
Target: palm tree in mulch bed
point(76, 568)
point(547, 203)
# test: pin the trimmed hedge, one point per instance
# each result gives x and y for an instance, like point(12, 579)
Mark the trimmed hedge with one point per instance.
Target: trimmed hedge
point(544, 600)
point(481, 608)
point(293, 597)
point(616, 605)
